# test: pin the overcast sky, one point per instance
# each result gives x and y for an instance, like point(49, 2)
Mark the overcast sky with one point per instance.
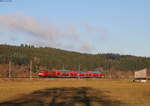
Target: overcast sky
point(91, 26)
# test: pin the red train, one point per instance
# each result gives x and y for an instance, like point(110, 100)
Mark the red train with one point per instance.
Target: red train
point(70, 74)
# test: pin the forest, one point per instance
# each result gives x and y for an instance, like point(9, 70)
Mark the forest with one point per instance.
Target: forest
point(53, 58)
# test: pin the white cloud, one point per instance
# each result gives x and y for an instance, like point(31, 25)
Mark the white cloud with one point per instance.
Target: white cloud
point(50, 35)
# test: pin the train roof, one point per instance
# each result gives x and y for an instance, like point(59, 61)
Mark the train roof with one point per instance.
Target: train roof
point(76, 71)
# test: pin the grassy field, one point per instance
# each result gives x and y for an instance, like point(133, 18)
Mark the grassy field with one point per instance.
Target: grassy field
point(123, 92)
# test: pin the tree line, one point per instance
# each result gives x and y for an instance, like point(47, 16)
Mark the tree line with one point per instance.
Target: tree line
point(53, 58)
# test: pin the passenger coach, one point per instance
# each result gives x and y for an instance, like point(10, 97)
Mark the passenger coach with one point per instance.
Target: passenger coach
point(70, 74)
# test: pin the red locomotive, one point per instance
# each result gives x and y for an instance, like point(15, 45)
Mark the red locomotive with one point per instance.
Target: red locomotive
point(70, 74)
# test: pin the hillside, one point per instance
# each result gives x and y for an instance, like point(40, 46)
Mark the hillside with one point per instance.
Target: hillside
point(58, 59)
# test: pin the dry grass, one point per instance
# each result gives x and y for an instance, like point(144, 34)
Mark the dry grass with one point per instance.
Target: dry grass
point(123, 90)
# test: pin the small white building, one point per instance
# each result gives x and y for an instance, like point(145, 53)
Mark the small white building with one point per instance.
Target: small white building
point(140, 76)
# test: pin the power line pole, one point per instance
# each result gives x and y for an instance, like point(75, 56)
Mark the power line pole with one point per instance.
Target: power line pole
point(31, 69)
point(9, 69)
point(63, 67)
point(79, 71)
